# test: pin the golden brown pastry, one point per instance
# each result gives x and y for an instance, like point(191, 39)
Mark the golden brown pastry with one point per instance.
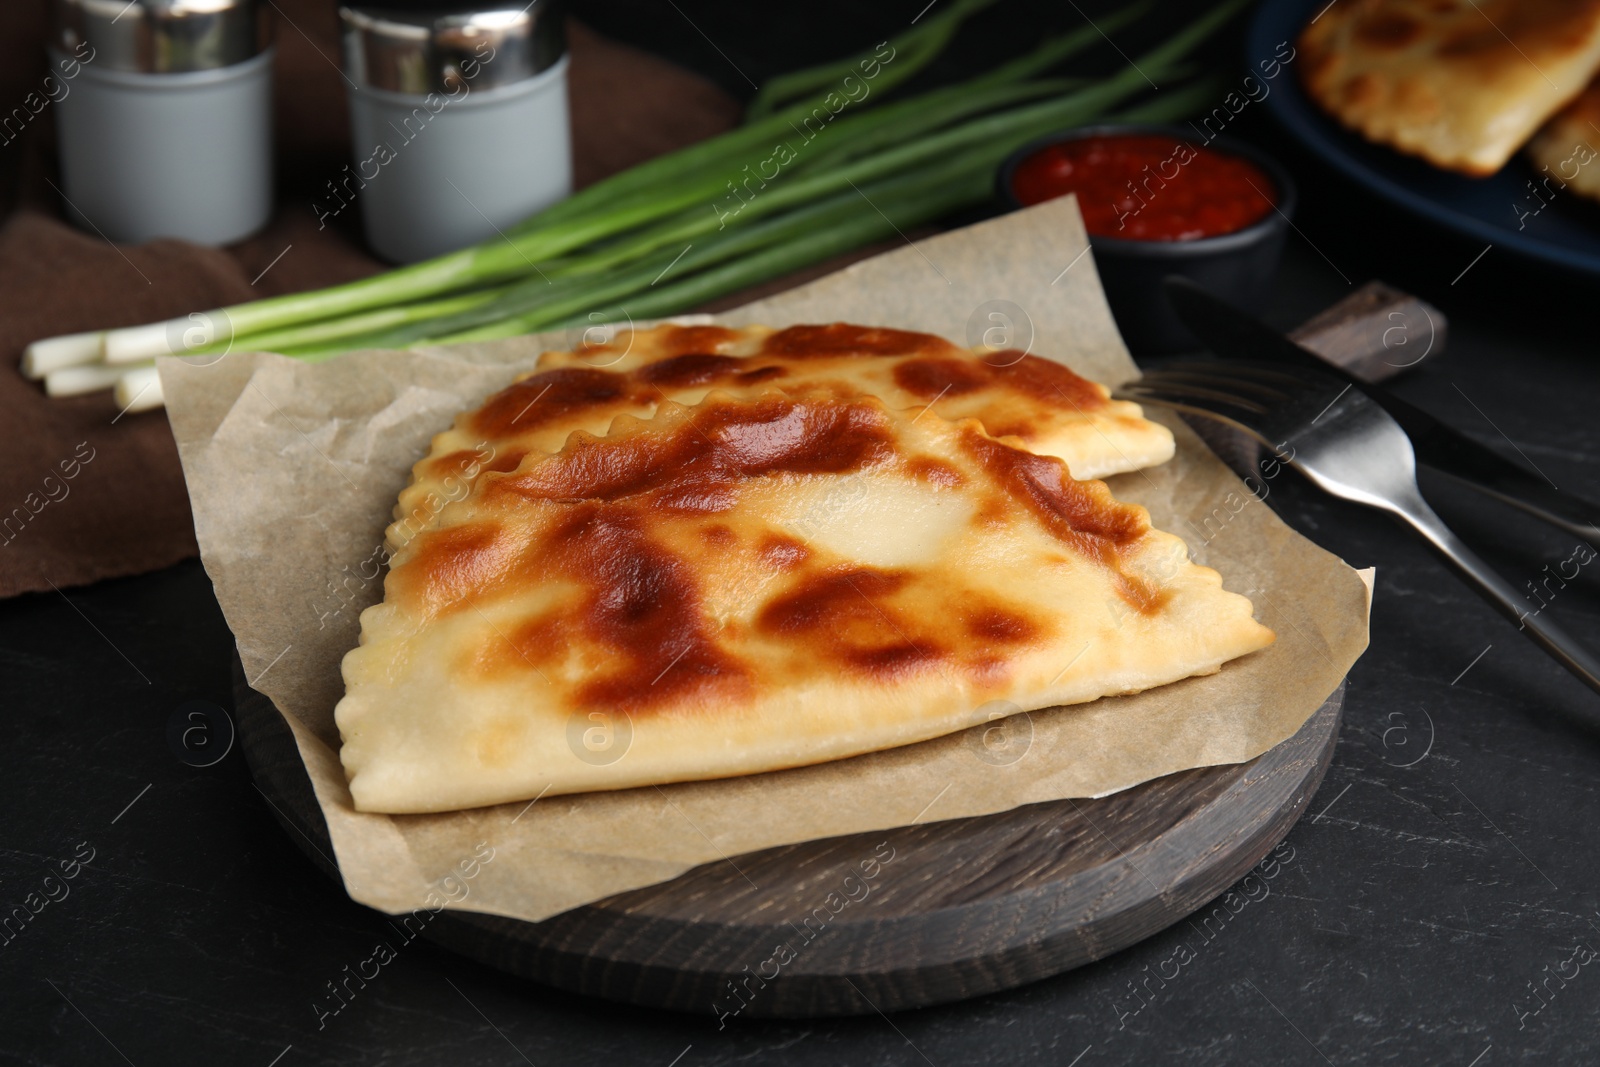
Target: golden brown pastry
point(1038, 401)
point(751, 584)
point(1566, 150)
point(1461, 83)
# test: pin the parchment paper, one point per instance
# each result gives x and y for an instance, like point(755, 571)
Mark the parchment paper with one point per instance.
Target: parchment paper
point(293, 470)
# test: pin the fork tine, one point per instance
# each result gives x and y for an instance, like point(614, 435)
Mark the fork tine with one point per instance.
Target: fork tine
point(1360, 454)
point(1238, 371)
point(1184, 376)
point(1271, 404)
point(1183, 393)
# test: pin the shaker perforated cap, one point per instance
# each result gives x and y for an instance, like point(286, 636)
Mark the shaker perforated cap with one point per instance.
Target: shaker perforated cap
point(439, 50)
point(162, 36)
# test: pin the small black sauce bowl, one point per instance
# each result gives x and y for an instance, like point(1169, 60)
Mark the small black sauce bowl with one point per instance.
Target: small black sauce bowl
point(1237, 266)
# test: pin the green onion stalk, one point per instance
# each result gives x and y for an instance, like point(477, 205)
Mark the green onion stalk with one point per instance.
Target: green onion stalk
point(912, 50)
point(828, 227)
point(942, 193)
point(721, 149)
point(868, 214)
point(725, 213)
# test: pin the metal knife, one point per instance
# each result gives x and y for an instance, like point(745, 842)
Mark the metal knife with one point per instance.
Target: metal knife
point(1235, 334)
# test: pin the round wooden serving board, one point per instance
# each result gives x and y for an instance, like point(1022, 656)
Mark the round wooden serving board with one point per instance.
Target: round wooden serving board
point(901, 918)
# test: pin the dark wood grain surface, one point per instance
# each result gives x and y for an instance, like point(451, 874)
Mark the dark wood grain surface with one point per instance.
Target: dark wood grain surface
point(903, 918)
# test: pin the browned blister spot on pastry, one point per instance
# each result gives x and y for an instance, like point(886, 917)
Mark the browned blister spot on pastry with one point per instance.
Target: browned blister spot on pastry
point(541, 640)
point(505, 459)
point(1389, 29)
point(1083, 515)
point(681, 340)
point(843, 339)
point(716, 535)
point(452, 567)
point(1364, 90)
point(847, 616)
point(637, 615)
point(706, 456)
point(1050, 383)
point(894, 660)
point(461, 461)
point(1021, 394)
point(545, 397)
point(931, 379)
point(850, 597)
point(682, 372)
point(782, 553)
point(643, 603)
point(934, 472)
point(1471, 42)
point(995, 624)
point(1073, 510)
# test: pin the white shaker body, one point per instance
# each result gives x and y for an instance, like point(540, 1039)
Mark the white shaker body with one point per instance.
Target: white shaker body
point(186, 155)
point(437, 172)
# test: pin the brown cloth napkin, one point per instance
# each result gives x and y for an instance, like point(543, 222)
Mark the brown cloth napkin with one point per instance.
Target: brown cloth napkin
point(87, 494)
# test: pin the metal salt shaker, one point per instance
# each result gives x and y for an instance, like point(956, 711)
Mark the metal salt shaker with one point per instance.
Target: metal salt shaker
point(459, 125)
point(165, 127)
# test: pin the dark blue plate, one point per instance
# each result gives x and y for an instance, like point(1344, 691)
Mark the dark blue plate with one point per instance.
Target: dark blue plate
point(1565, 233)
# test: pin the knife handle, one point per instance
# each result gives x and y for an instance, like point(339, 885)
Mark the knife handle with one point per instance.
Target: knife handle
point(1376, 332)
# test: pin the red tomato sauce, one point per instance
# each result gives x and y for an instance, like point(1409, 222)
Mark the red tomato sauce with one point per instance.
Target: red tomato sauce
point(1141, 187)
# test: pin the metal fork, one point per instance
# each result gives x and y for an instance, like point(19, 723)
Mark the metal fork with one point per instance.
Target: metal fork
point(1350, 447)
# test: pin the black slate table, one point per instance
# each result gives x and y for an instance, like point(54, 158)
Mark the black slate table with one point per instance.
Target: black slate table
point(1438, 904)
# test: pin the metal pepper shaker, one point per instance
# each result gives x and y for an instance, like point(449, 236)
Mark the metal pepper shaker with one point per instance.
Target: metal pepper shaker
point(165, 129)
point(459, 125)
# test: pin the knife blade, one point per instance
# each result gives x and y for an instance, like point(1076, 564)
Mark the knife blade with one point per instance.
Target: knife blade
point(1233, 333)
